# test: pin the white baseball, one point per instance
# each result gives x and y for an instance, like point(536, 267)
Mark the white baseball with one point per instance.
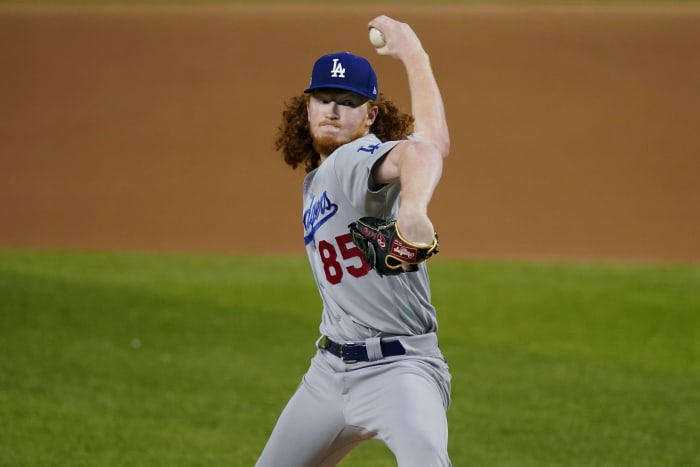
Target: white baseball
point(376, 37)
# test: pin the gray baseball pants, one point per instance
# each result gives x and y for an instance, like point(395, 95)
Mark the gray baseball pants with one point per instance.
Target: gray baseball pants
point(401, 401)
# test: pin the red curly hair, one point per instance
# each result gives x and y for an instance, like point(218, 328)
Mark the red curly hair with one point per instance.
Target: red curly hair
point(294, 136)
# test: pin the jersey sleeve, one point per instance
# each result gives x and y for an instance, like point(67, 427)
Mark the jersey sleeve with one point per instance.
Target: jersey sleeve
point(353, 164)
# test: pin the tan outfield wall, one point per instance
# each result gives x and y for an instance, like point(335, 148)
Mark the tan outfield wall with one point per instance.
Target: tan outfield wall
point(574, 130)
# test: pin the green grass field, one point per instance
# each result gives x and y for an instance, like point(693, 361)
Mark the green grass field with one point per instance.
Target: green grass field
point(346, 2)
point(176, 360)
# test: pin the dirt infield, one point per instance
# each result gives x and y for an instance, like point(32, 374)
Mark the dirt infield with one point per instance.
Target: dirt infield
point(574, 130)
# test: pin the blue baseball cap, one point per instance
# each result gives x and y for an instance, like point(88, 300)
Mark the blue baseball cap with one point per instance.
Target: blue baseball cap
point(344, 70)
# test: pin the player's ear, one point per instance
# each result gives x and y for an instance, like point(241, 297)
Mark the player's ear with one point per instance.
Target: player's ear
point(372, 114)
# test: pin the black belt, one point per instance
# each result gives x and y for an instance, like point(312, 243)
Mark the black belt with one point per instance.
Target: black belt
point(352, 352)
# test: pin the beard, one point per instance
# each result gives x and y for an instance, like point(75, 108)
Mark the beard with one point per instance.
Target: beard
point(325, 145)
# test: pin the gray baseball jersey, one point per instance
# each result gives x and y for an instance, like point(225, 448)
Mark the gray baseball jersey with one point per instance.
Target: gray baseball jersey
point(400, 400)
point(358, 303)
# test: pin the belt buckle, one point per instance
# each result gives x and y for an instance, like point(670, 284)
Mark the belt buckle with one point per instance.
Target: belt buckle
point(342, 353)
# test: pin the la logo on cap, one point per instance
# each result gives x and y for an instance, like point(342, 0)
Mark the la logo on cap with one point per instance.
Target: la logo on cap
point(338, 71)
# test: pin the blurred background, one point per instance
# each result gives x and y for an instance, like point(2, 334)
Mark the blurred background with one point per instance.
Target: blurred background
point(150, 128)
point(135, 128)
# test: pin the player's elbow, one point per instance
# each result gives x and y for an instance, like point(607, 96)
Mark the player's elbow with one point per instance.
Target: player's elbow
point(440, 143)
point(443, 147)
point(432, 152)
point(444, 142)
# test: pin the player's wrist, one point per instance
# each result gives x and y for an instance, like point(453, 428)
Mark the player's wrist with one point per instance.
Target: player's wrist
point(415, 227)
point(415, 60)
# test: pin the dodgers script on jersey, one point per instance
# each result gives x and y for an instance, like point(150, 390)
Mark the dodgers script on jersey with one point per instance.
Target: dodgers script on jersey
point(357, 301)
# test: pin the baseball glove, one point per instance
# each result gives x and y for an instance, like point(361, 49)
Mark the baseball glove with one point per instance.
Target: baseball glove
point(385, 250)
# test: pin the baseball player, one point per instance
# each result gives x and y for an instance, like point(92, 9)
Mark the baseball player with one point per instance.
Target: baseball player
point(378, 372)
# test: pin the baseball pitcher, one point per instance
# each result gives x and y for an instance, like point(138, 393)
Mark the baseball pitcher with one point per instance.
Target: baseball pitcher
point(378, 372)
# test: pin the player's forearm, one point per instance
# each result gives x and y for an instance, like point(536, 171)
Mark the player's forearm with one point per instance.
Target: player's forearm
point(427, 107)
point(420, 169)
point(426, 102)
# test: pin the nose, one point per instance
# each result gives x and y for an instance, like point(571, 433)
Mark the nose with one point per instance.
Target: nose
point(332, 110)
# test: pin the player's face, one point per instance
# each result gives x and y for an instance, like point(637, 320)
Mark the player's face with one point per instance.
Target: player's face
point(337, 117)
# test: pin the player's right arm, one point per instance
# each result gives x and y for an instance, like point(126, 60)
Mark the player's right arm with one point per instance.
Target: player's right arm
point(416, 164)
